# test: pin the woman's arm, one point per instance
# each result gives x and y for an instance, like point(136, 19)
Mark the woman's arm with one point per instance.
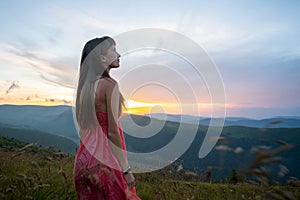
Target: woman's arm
point(112, 103)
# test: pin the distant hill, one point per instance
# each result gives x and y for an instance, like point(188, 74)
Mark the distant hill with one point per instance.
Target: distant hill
point(38, 137)
point(55, 126)
point(57, 120)
point(274, 122)
point(234, 153)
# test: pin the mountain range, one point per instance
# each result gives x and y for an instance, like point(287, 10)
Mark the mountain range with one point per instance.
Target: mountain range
point(274, 122)
point(57, 120)
point(54, 126)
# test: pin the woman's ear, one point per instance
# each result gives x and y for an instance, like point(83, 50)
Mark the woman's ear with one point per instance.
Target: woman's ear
point(103, 58)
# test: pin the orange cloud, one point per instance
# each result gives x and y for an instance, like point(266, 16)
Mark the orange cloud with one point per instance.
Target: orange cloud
point(34, 100)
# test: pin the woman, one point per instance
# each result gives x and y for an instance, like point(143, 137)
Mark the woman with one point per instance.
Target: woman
point(101, 169)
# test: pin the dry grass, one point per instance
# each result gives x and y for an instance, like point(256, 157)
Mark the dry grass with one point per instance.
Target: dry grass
point(30, 172)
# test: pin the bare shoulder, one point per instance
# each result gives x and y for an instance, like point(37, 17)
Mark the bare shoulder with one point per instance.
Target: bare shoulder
point(108, 83)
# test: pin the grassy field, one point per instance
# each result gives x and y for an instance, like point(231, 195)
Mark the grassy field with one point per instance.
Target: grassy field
point(31, 172)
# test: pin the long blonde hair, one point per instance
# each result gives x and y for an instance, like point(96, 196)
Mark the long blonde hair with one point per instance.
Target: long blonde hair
point(90, 68)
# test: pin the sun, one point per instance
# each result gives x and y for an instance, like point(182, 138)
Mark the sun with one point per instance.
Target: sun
point(135, 107)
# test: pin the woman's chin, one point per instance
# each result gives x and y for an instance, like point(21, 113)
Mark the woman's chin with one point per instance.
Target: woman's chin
point(113, 65)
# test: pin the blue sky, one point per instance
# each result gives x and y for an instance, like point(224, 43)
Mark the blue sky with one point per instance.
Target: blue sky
point(255, 45)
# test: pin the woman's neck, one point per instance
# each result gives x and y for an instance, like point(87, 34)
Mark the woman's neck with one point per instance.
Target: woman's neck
point(106, 73)
point(108, 70)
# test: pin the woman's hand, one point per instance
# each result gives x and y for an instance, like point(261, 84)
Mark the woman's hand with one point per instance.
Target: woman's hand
point(130, 180)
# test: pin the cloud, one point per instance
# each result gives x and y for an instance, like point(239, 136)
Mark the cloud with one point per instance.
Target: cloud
point(92, 22)
point(53, 82)
point(66, 102)
point(14, 85)
point(59, 101)
point(54, 71)
point(50, 100)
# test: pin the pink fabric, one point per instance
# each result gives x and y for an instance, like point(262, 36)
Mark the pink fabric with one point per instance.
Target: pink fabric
point(97, 173)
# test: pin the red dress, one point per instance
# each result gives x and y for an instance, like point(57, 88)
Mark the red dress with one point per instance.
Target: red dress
point(97, 173)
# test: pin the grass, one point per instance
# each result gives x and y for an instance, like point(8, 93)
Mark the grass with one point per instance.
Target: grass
point(154, 186)
point(168, 189)
point(30, 176)
point(31, 172)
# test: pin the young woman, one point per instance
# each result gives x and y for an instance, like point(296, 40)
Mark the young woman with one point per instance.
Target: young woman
point(101, 169)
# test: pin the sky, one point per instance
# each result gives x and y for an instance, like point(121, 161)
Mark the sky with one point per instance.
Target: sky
point(255, 46)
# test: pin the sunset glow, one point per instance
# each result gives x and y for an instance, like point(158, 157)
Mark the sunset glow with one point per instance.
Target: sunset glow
point(203, 109)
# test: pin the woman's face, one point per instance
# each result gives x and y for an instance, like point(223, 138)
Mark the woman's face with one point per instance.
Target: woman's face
point(111, 58)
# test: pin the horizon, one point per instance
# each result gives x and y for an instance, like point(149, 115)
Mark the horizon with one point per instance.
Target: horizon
point(147, 114)
point(257, 56)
